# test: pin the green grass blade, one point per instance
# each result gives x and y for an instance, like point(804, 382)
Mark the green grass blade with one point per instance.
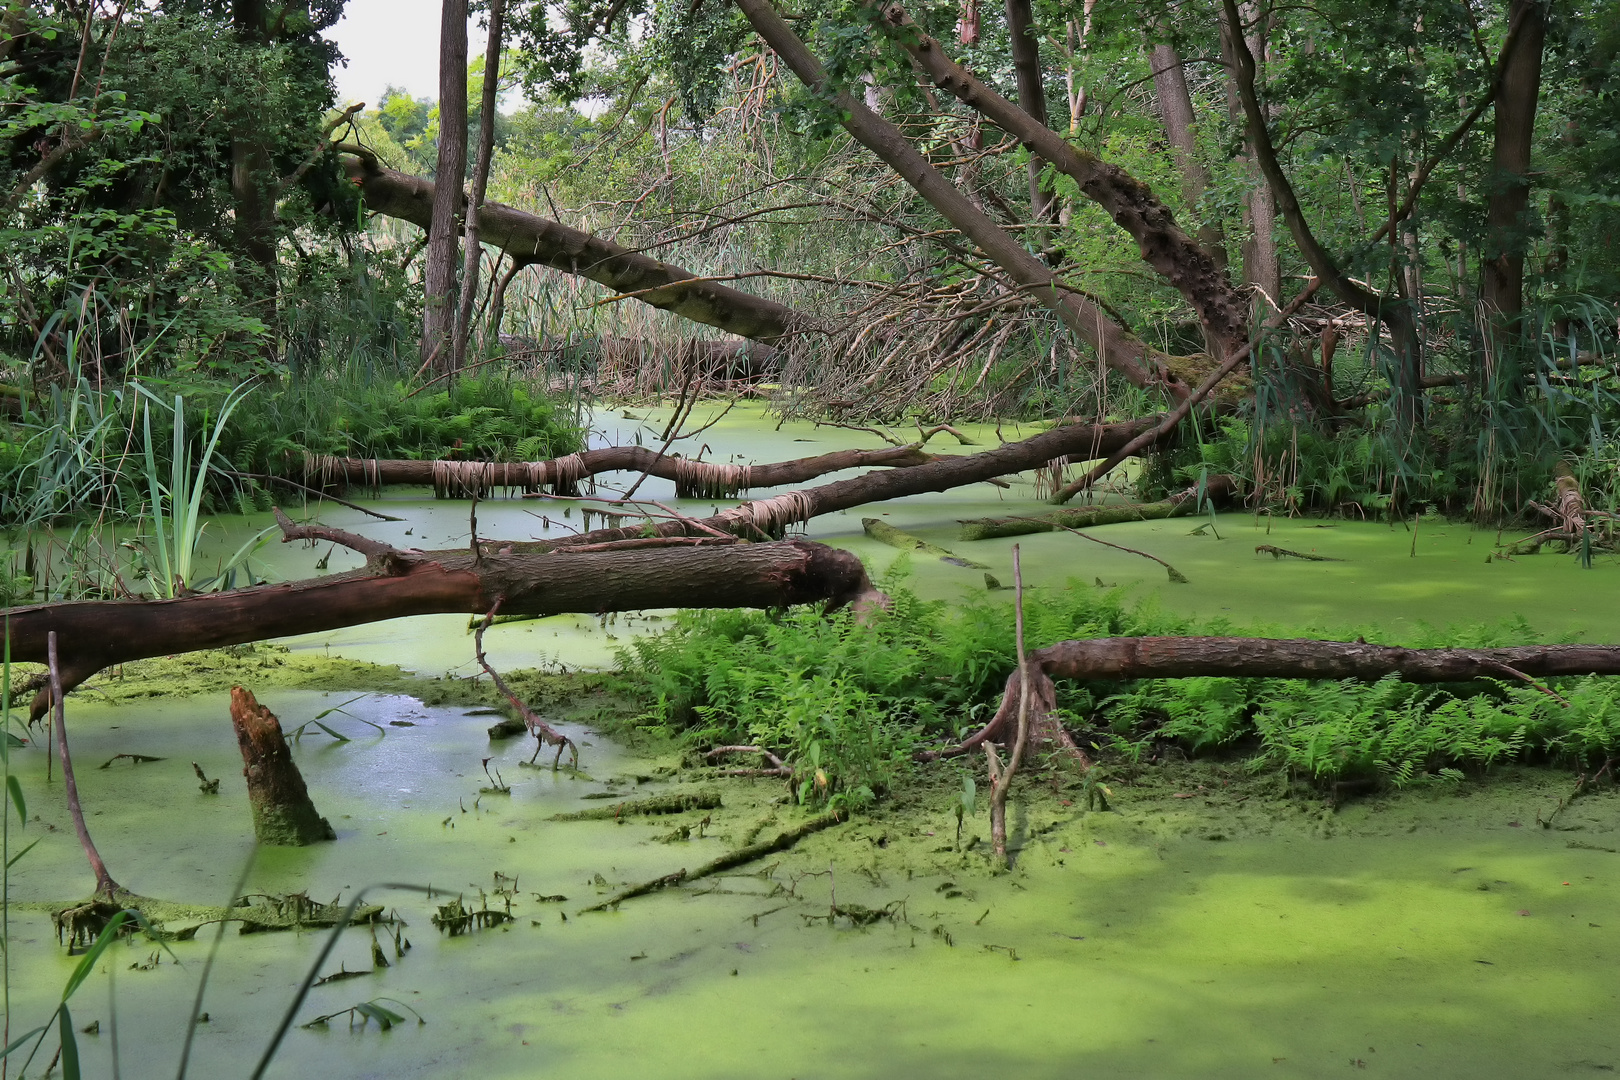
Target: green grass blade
point(87, 963)
point(14, 789)
point(70, 1045)
point(19, 1040)
point(13, 860)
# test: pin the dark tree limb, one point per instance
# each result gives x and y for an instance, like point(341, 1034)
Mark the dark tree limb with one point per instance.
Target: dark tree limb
point(105, 885)
point(534, 240)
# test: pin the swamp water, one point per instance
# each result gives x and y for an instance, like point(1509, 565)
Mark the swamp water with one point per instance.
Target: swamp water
point(1192, 932)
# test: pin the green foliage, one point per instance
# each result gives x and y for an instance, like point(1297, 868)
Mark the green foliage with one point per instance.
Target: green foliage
point(846, 701)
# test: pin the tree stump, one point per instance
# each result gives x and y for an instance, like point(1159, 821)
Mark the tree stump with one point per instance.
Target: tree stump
point(283, 814)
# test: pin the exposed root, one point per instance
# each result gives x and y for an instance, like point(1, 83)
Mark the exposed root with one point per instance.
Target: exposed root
point(544, 733)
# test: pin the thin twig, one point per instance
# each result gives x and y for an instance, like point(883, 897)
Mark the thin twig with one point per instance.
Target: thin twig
point(105, 885)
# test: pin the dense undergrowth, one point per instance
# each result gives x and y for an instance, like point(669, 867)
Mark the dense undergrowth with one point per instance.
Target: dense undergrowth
point(846, 702)
point(79, 450)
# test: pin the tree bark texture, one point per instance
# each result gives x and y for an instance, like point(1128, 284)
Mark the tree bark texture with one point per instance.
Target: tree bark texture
point(1218, 490)
point(1516, 97)
point(1176, 113)
point(96, 634)
point(1119, 349)
point(1173, 254)
point(473, 249)
point(534, 240)
point(1026, 58)
point(1117, 659)
point(283, 813)
point(693, 479)
point(438, 312)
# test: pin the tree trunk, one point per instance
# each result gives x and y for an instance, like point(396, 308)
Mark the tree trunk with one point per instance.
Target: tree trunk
point(474, 250)
point(1176, 111)
point(438, 311)
point(1506, 237)
point(1026, 58)
point(283, 814)
point(1131, 203)
point(693, 479)
point(96, 634)
point(1218, 490)
point(1261, 268)
point(1123, 352)
point(530, 239)
point(1118, 659)
point(252, 184)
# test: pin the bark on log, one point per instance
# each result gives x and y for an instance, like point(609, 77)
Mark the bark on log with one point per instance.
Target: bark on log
point(96, 634)
point(884, 533)
point(1117, 659)
point(1080, 442)
point(283, 814)
point(693, 479)
point(536, 240)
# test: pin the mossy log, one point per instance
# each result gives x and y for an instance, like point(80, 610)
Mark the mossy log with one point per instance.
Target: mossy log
point(884, 533)
point(283, 813)
point(1218, 490)
point(675, 803)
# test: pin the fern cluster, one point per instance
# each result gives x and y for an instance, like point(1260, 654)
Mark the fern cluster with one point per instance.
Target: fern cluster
point(846, 701)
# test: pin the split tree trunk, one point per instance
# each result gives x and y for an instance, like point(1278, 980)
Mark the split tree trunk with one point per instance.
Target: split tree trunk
point(1026, 58)
point(438, 312)
point(283, 813)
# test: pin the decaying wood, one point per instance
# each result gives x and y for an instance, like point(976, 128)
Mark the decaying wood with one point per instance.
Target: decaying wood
point(283, 813)
point(105, 885)
point(1118, 659)
point(1218, 490)
point(676, 803)
point(693, 479)
point(732, 859)
point(884, 533)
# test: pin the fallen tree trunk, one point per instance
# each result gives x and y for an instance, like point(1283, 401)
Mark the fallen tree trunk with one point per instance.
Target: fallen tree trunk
point(97, 634)
point(768, 517)
point(1218, 490)
point(693, 479)
point(531, 239)
point(1117, 659)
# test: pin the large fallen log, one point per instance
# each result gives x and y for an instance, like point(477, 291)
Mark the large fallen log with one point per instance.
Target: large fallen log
point(693, 479)
point(531, 239)
point(1218, 490)
point(97, 634)
point(769, 517)
point(1117, 659)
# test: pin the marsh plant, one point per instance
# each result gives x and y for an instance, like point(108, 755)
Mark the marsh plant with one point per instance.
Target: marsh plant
point(846, 701)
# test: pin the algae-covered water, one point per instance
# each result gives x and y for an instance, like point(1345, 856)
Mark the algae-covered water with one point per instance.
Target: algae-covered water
point(1209, 926)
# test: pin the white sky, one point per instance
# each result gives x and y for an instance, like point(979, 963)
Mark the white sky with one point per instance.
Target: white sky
point(392, 42)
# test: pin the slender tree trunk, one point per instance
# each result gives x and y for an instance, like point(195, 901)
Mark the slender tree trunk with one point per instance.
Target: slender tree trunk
point(1506, 239)
point(1262, 271)
point(1176, 110)
point(1026, 57)
point(486, 149)
point(438, 312)
point(251, 183)
point(1118, 348)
